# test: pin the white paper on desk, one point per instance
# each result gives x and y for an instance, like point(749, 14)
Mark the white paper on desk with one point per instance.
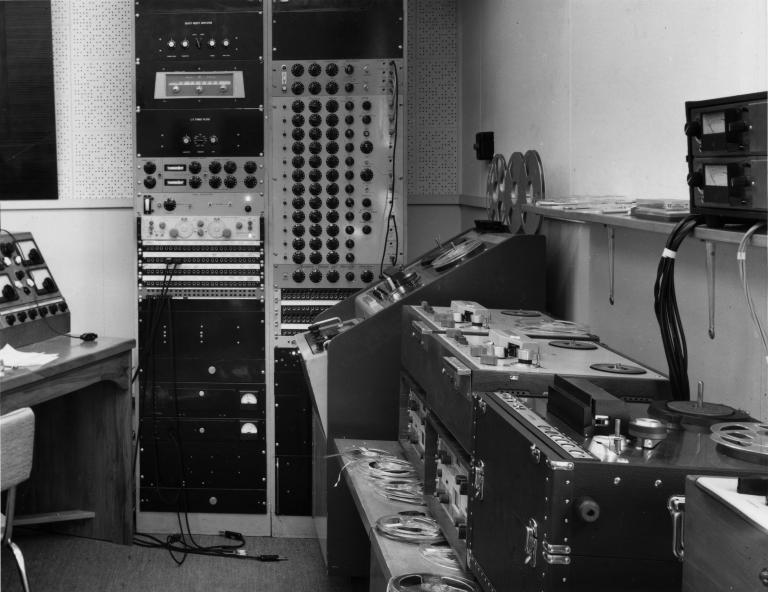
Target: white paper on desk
point(11, 357)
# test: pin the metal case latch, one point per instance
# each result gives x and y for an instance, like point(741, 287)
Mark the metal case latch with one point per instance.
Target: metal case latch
point(531, 541)
point(479, 469)
point(676, 507)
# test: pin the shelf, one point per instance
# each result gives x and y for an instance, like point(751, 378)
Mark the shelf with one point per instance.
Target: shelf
point(730, 235)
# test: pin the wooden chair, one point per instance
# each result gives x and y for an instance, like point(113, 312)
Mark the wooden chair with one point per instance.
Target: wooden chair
point(17, 435)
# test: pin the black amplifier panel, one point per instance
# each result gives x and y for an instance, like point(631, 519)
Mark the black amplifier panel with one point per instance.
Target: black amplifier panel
point(351, 29)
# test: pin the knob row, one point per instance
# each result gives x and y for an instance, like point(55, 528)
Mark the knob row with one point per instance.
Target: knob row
point(33, 313)
point(215, 182)
point(298, 148)
point(331, 230)
point(332, 276)
point(316, 244)
point(316, 257)
point(315, 69)
point(214, 167)
point(315, 119)
point(315, 106)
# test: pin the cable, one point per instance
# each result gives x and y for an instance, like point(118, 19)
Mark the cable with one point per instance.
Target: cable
point(392, 220)
point(741, 259)
point(667, 312)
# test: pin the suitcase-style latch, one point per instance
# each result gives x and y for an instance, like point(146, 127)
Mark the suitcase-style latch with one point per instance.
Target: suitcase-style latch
point(531, 540)
point(479, 480)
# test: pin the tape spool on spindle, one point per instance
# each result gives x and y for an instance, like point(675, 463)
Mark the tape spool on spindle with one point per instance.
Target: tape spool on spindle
point(496, 190)
point(518, 180)
point(534, 191)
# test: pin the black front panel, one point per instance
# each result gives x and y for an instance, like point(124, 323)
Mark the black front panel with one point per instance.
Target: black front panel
point(351, 29)
point(293, 482)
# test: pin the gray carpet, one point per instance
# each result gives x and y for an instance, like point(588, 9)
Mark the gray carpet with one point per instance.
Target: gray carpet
point(58, 563)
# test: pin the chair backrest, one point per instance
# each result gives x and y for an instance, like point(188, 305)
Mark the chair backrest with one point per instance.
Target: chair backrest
point(17, 437)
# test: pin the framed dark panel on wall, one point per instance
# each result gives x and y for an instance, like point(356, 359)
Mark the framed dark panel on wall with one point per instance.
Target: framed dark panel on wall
point(27, 114)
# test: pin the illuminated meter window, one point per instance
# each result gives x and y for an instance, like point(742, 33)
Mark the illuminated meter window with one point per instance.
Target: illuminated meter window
point(29, 252)
point(713, 123)
point(38, 277)
point(716, 175)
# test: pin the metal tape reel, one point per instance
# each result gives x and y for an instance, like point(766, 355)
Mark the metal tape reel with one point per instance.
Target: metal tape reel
point(534, 190)
point(518, 179)
point(743, 439)
point(495, 187)
point(423, 582)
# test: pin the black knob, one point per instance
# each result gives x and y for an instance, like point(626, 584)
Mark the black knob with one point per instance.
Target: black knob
point(315, 189)
point(315, 119)
point(367, 276)
point(695, 179)
point(195, 182)
point(332, 175)
point(349, 243)
point(297, 134)
point(332, 106)
point(247, 207)
point(349, 202)
point(22, 316)
point(315, 244)
point(315, 175)
point(214, 182)
point(349, 216)
point(332, 133)
point(298, 176)
point(20, 274)
point(314, 69)
point(349, 69)
point(366, 119)
point(331, 147)
point(298, 216)
point(587, 509)
point(43, 311)
point(693, 129)
point(298, 257)
point(32, 314)
point(249, 167)
point(63, 306)
point(315, 106)
point(332, 257)
point(366, 175)
point(298, 276)
point(350, 257)
point(297, 162)
point(349, 161)
point(366, 147)
point(10, 319)
point(315, 161)
point(366, 202)
point(350, 189)
point(9, 293)
point(350, 133)
point(315, 147)
point(332, 189)
point(195, 167)
point(349, 230)
point(315, 230)
point(150, 182)
point(298, 202)
point(366, 216)
point(350, 276)
point(332, 120)
point(332, 161)
point(298, 230)
point(332, 69)
point(332, 276)
point(214, 167)
point(332, 202)
point(367, 229)
point(315, 275)
point(298, 244)
point(315, 87)
point(230, 166)
point(297, 88)
point(250, 181)
point(150, 168)
point(332, 244)
point(349, 147)
point(298, 120)
point(332, 216)
point(349, 87)
point(349, 175)
point(53, 308)
point(169, 205)
point(367, 105)
point(349, 120)
point(297, 148)
point(297, 106)
point(297, 69)
point(332, 87)
point(230, 181)
point(315, 216)
point(332, 230)
point(349, 105)
point(315, 202)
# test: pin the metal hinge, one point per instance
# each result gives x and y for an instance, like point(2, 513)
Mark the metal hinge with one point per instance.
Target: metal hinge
point(479, 480)
point(556, 549)
point(556, 559)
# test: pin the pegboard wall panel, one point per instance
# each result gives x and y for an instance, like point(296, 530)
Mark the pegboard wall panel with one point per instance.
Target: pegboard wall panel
point(93, 78)
point(433, 132)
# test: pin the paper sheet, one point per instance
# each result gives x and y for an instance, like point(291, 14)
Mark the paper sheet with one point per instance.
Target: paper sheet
point(13, 358)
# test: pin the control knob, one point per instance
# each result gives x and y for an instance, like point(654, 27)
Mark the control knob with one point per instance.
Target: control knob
point(315, 230)
point(230, 181)
point(350, 257)
point(332, 276)
point(349, 87)
point(315, 257)
point(314, 69)
point(332, 257)
point(315, 216)
point(315, 275)
point(332, 244)
point(349, 69)
point(195, 167)
point(230, 166)
point(150, 167)
point(332, 87)
point(366, 175)
point(366, 147)
point(332, 69)
point(332, 106)
point(150, 182)
point(297, 88)
point(214, 167)
point(367, 276)
point(297, 106)
point(299, 244)
point(298, 257)
point(315, 87)
point(297, 69)
point(298, 203)
point(350, 276)
point(195, 182)
point(214, 182)
point(298, 276)
point(169, 204)
point(250, 181)
point(298, 230)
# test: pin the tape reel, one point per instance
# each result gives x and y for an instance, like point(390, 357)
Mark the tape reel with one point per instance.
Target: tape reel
point(423, 582)
point(518, 179)
point(497, 190)
point(534, 192)
point(745, 440)
point(411, 529)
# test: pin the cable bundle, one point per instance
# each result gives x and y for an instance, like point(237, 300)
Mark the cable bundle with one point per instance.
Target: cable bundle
point(667, 313)
point(741, 258)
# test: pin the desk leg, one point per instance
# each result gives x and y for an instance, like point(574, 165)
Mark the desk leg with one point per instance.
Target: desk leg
point(82, 461)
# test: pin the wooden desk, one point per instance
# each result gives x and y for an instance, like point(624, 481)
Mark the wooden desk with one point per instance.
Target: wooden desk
point(83, 451)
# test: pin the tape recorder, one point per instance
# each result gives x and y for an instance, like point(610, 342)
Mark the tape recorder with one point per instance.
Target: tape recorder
point(560, 503)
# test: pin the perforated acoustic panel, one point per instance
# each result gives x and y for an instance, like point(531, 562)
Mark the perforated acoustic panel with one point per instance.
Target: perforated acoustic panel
point(93, 77)
point(432, 98)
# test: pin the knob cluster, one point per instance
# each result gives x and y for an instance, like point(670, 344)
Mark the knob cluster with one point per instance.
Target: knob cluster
point(214, 174)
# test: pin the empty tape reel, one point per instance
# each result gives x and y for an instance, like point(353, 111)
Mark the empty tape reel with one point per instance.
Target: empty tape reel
point(745, 440)
point(618, 368)
point(518, 179)
point(497, 189)
point(411, 529)
point(456, 253)
point(424, 582)
point(440, 553)
point(571, 344)
point(534, 192)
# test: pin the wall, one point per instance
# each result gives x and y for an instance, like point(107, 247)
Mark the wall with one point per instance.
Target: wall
point(598, 88)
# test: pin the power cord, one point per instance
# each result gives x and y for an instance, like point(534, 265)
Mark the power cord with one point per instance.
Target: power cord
point(741, 259)
point(391, 219)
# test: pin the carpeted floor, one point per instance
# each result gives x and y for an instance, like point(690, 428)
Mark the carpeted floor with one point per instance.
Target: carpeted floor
point(58, 563)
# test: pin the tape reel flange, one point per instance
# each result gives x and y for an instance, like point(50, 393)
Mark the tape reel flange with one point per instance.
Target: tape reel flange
point(495, 188)
point(534, 191)
point(745, 440)
point(518, 181)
